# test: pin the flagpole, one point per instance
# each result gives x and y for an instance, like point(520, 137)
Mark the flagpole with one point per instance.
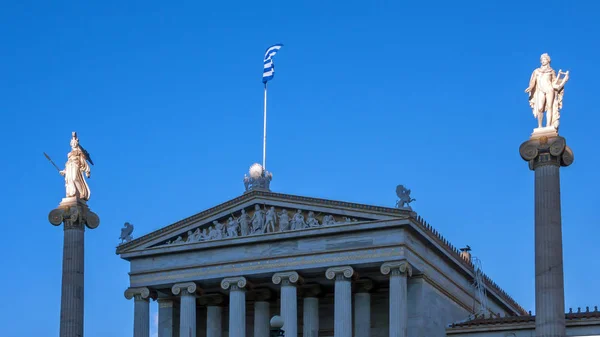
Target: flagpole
point(265, 131)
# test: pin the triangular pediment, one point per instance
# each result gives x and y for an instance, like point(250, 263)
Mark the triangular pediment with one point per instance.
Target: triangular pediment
point(258, 213)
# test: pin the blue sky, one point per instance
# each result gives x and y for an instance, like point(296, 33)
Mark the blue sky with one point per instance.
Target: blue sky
point(167, 98)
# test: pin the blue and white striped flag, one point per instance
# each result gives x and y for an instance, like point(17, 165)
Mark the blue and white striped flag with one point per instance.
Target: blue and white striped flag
point(269, 68)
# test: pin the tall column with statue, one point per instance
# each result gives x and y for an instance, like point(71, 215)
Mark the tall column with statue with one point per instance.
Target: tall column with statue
point(546, 152)
point(74, 213)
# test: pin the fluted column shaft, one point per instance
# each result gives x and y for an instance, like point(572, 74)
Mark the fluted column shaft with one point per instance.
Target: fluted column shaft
point(289, 301)
point(549, 280)
point(362, 309)
point(237, 305)
point(214, 319)
point(141, 317)
point(187, 325)
point(261, 319)
point(75, 215)
point(545, 156)
point(398, 272)
point(343, 300)
point(187, 308)
point(141, 310)
point(71, 304)
point(311, 317)
point(362, 315)
point(165, 318)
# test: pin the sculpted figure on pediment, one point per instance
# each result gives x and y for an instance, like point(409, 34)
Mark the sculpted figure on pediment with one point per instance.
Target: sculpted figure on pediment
point(232, 228)
point(213, 233)
point(258, 220)
point(178, 240)
point(298, 221)
point(190, 236)
point(196, 236)
point(204, 234)
point(311, 221)
point(284, 221)
point(328, 220)
point(270, 220)
point(244, 221)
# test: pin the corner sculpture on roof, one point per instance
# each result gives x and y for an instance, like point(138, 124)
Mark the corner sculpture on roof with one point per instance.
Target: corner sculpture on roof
point(404, 194)
point(126, 233)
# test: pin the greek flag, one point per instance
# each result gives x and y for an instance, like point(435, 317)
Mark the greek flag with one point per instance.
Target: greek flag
point(269, 68)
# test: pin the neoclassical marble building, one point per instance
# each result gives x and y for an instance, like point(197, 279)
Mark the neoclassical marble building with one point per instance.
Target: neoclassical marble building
point(327, 267)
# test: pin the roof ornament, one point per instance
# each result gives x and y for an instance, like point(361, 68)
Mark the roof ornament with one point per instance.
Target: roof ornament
point(257, 179)
point(464, 253)
point(126, 232)
point(404, 194)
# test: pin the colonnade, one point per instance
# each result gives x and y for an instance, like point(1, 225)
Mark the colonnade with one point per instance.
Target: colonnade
point(347, 323)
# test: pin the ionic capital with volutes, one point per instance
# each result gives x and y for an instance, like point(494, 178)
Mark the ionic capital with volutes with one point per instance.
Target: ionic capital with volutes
point(396, 268)
point(287, 278)
point(340, 273)
point(75, 214)
point(185, 288)
point(140, 293)
point(235, 283)
point(546, 151)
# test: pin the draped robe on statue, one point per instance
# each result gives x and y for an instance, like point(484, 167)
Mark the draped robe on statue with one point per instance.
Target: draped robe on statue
point(75, 184)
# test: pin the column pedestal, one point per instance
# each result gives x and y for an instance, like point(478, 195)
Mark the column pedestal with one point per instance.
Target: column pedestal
point(237, 305)
point(342, 312)
point(76, 215)
point(141, 310)
point(399, 272)
point(187, 308)
point(545, 156)
point(289, 300)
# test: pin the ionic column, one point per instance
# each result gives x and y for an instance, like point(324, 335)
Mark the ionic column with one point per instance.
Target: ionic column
point(187, 309)
point(545, 156)
point(237, 305)
point(399, 272)
point(141, 310)
point(261, 312)
point(362, 308)
point(343, 300)
point(310, 316)
point(165, 317)
point(76, 215)
point(214, 314)
point(289, 300)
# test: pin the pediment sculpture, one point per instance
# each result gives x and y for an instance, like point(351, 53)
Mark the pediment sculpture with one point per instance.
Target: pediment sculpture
point(260, 220)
